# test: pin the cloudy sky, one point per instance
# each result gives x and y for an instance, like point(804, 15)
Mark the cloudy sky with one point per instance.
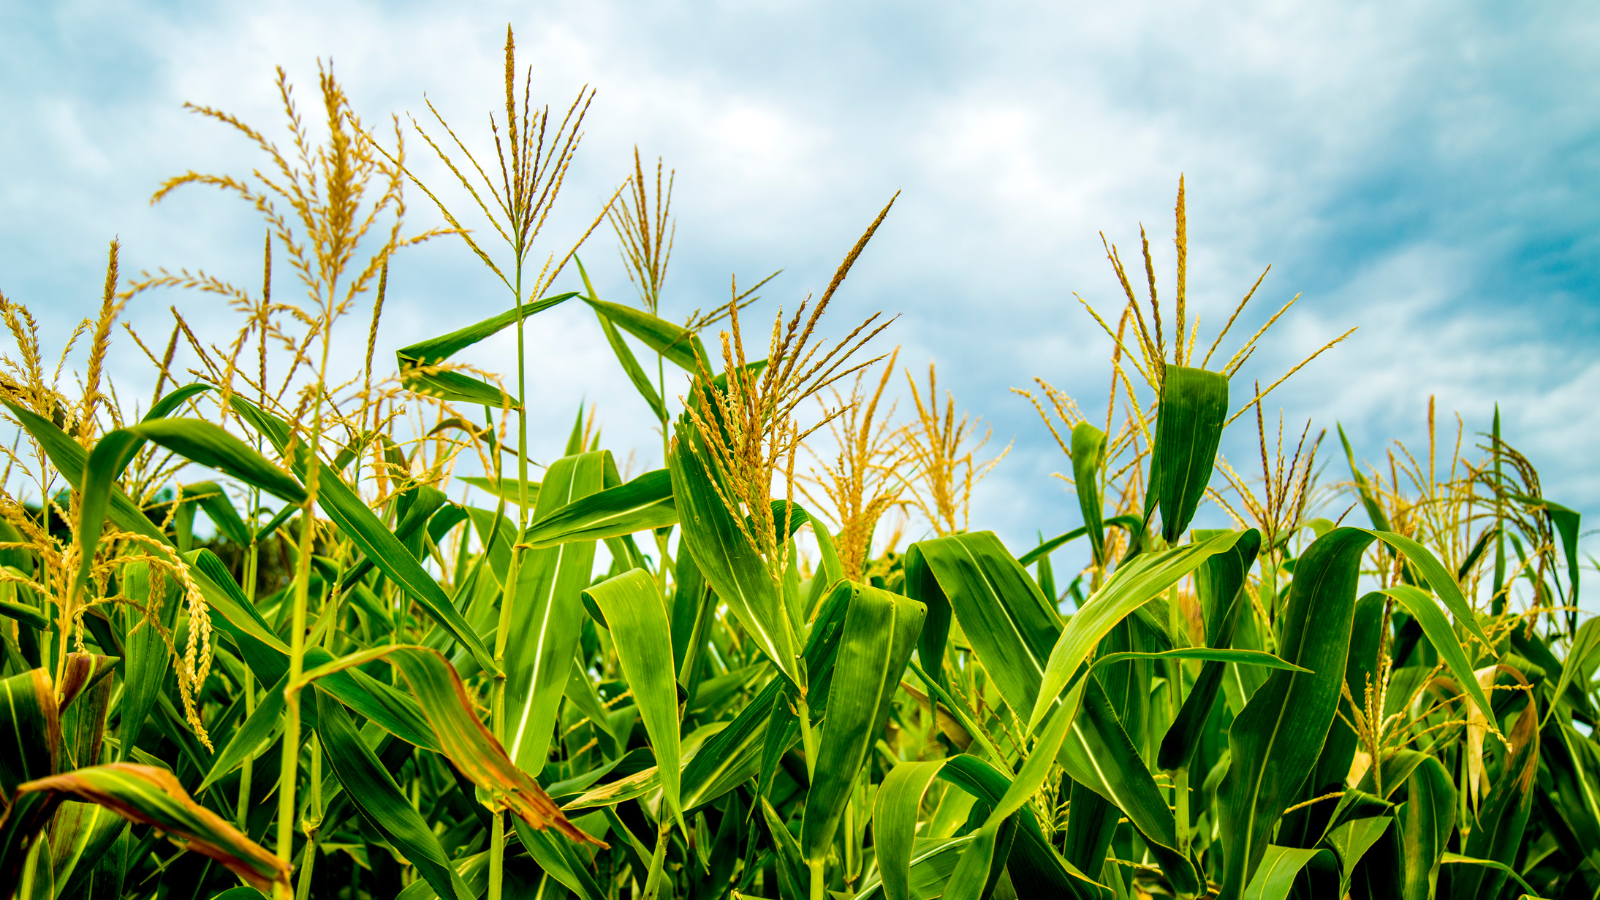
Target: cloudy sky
point(1429, 172)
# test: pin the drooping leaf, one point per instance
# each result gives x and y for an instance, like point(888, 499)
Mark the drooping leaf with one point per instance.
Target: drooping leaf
point(679, 345)
point(202, 442)
point(1275, 877)
point(972, 876)
point(1426, 613)
point(468, 744)
point(1220, 582)
point(1002, 612)
point(28, 714)
point(1497, 836)
point(153, 796)
point(1036, 869)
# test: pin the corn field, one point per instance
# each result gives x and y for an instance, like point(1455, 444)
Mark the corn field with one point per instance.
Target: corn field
point(264, 637)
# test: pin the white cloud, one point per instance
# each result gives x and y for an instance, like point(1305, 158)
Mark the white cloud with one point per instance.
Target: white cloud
point(1419, 169)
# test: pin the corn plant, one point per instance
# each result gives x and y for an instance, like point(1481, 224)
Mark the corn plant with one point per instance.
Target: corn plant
point(362, 675)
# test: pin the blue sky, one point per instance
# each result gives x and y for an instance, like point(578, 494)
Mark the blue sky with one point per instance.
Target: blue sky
point(1427, 171)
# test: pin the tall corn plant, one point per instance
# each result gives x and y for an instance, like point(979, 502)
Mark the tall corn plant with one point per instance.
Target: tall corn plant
point(466, 701)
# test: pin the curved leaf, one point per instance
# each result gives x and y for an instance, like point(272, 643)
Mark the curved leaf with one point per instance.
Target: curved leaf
point(894, 822)
point(153, 796)
point(643, 504)
point(201, 442)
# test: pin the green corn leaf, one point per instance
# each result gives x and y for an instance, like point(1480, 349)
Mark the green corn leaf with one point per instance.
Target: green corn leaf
point(1305, 826)
point(455, 387)
point(1425, 822)
point(895, 814)
point(643, 504)
point(1088, 446)
point(1194, 406)
point(1437, 628)
point(1350, 843)
point(1276, 739)
point(560, 860)
point(507, 489)
point(1584, 645)
point(1132, 586)
point(1002, 613)
point(630, 364)
point(369, 786)
point(548, 614)
point(106, 462)
point(251, 738)
point(438, 349)
point(734, 754)
point(85, 698)
point(211, 498)
point(1099, 755)
point(24, 852)
point(223, 594)
point(80, 835)
point(1501, 868)
point(268, 658)
point(173, 399)
point(679, 345)
point(582, 694)
point(152, 796)
point(1279, 868)
point(425, 501)
point(1439, 578)
point(637, 618)
point(71, 460)
point(1130, 524)
point(1572, 763)
point(145, 656)
point(793, 877)
point(25, 614)
point(880, 631)
point(729, 563)
point(201, 442)
point(1369, 501)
